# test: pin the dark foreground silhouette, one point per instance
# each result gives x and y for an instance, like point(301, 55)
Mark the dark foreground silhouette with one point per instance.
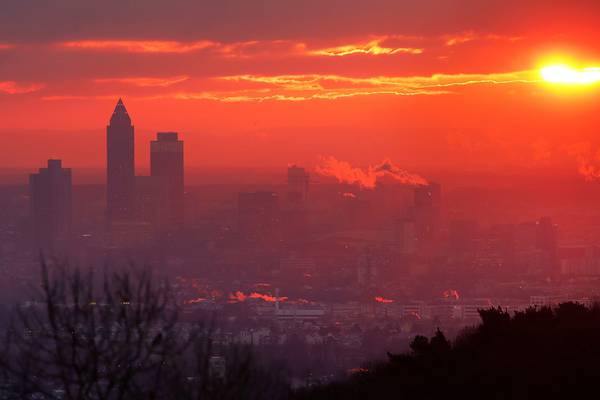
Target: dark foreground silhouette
point(547, 353)
point(117, 336)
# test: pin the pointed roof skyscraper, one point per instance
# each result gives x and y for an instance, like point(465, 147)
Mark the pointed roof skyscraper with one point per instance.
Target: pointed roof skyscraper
point(120, 165)
point(120, 115)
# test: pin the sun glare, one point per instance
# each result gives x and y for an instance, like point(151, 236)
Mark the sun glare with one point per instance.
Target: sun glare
point(564, 74)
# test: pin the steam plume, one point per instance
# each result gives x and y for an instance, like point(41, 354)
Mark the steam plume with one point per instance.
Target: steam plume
point(451, 293)
point(383, 300)
point(240, 297)
point(586, 160)
point(194, 301)
point(367, 178)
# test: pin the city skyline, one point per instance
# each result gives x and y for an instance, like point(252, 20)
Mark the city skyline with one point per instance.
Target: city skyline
point(299, 199)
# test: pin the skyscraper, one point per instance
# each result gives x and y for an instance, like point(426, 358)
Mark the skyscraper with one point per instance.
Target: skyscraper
point(298, 181)
point(50, 201)
point(294, 211)
point(426, 212)
point(166, 161)
point(120, 170)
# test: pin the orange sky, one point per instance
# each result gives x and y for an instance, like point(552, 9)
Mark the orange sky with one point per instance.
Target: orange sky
point(439, 84)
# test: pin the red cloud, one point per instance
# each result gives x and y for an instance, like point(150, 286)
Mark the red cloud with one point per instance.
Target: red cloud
point(469, 36)
point(372, 47)
point(140, 46)
point(12, 87)
point(146, 81)
point(588, 161)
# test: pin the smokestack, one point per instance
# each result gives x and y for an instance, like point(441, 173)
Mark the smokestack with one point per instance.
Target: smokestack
point(276, 301)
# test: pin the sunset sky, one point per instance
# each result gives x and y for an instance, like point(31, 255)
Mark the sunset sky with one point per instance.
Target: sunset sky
point(428, 84)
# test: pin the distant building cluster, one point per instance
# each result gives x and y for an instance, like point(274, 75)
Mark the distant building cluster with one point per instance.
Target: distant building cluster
point(327, 273)
point(136, 206)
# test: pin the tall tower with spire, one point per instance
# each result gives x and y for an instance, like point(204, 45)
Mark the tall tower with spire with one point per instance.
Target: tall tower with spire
point(120, 170)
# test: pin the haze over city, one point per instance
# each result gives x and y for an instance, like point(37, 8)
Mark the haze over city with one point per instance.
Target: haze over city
point(299, 199)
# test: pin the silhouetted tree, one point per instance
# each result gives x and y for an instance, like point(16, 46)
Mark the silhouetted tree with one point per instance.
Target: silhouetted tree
point(538, 353)
point(117, 336)
point(94, 337)
point(419, 345)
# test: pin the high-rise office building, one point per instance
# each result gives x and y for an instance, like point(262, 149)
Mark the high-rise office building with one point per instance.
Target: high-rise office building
point(294, 210)
point(298, 180)
point(166, 162)
point(426, 212)
point(120, 170)
point(51, 208)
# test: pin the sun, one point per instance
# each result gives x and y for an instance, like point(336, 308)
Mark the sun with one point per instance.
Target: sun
point(566, 75)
